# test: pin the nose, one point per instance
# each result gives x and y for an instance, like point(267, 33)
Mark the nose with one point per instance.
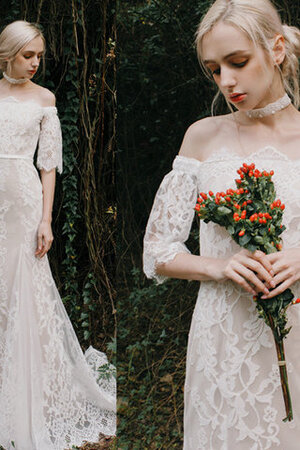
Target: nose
point(35, 61)
point(227, 78)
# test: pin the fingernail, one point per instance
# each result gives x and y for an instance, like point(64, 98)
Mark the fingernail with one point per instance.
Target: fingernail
point(272, 284)
point(272, 272)
point(263, 297)
point(266, 291)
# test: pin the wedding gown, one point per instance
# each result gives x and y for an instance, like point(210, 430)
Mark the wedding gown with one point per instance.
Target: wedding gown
point(50, 395)
point(233, 398)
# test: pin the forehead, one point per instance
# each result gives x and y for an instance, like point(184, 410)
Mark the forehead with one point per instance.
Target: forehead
point(224, 39)
point(36, 45)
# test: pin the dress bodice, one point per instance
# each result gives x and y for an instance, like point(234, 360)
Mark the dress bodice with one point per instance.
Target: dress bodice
point(173, 210)
point(24, 125)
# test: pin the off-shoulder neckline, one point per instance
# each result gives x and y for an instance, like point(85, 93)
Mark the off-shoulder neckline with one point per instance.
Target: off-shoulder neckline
point(224, 153)
point(26, 101)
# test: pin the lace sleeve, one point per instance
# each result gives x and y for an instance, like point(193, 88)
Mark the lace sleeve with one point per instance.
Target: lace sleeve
point(50, 142)
point(171, 216)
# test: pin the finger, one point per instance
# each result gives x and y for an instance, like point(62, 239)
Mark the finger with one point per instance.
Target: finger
point(241, 282)
point(273, 257)
point(264, 261)
point(284, 275)
point(280, 265)
point(281, 288)
point(46, 247)
point(39, 245)
point(249, 275)
point(261, 273)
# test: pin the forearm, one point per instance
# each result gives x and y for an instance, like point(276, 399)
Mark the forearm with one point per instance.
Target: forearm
point(48, 183)
point(192, 267)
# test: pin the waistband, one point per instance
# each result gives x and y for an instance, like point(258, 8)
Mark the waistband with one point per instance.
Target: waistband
point(9, 156)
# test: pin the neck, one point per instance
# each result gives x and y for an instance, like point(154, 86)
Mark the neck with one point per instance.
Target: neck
point(271, 109)
point(15, 80)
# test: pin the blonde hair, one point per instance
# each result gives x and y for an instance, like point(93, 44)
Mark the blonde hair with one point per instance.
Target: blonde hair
point(14, 37)
point(261, 22)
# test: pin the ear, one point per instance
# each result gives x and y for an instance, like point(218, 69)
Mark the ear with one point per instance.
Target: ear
point(278, 50)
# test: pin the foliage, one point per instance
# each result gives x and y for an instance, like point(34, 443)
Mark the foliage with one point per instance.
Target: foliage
point(152, 338)
point(80, 69)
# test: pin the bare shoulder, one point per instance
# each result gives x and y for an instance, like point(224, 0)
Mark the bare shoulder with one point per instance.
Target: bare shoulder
point(202, 136)
point(44, 96)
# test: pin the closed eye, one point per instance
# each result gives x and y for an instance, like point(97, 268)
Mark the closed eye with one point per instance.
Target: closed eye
point(241, 64)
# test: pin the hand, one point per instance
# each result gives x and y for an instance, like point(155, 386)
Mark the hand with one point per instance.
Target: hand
point(44, 239)
point(286, 268)
point(245, 267)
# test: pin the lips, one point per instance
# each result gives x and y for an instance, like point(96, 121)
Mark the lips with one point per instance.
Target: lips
point(237, 97)
point(32, 71)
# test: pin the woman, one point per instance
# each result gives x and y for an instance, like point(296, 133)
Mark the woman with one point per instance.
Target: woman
point(233, 396)
point(49, 395)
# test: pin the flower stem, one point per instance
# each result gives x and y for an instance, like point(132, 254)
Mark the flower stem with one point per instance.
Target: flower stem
point(283, 373)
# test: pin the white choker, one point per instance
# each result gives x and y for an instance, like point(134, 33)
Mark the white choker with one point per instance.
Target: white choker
point(14, 80)
point(270, 109)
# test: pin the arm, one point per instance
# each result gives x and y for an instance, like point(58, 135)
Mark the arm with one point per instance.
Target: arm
point(45, 236)
point(243, 268)
point(169, 225)
point(49, 158)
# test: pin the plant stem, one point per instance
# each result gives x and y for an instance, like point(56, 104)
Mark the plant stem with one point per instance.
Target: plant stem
point(283, 373)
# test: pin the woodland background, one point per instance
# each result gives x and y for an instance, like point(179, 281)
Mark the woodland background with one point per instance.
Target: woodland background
point(161, 91)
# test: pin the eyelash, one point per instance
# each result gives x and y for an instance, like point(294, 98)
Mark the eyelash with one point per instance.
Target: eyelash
point(28, 57)
point(239, 65)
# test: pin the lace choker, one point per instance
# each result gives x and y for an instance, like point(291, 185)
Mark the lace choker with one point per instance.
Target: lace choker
point(14, 80)
point(270, 109)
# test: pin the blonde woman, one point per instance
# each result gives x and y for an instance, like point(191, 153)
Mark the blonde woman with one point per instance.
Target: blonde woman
point(233, 396)
point(49, 396)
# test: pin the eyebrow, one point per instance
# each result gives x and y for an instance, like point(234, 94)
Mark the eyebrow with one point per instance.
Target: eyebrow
point(32, 52)
point(236, 52)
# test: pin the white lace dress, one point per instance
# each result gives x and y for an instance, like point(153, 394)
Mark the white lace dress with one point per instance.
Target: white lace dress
point(49, 394)
point(233, 398)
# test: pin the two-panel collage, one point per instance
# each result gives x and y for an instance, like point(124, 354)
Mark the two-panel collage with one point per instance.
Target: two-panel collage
point(150, 225)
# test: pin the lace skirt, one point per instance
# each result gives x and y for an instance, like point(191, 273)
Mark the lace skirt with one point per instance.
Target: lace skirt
point(233, 397)
point(50, 395)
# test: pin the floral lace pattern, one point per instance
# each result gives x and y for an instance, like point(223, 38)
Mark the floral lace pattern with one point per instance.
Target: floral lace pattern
point(233, 395)
point(51, 396)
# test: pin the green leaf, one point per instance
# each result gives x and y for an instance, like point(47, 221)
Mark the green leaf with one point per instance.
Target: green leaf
point(259, 239)
point(223, 211)
point(243, 240)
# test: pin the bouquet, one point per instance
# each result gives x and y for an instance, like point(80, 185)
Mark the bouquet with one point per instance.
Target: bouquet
point(252, 216)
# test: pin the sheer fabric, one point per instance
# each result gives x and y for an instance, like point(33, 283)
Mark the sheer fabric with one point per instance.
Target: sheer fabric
point(50, 395)
point(233, 396)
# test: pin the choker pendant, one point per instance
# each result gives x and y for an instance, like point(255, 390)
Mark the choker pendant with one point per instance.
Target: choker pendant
point(15, 80)
point(270, 109)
